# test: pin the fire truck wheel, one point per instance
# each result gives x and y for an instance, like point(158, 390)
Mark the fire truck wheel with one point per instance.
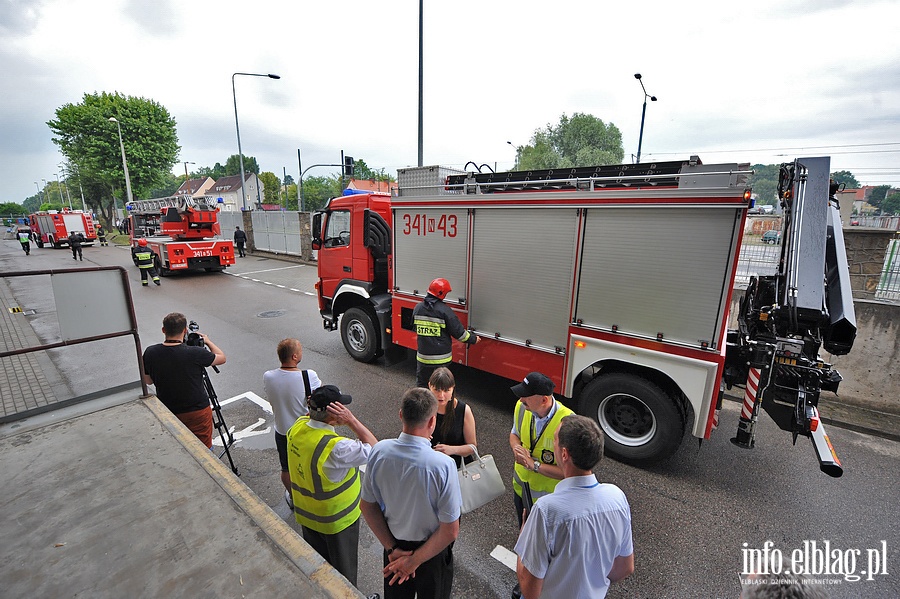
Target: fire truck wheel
point(358, 335)
point(40, 243)
point(641, 422)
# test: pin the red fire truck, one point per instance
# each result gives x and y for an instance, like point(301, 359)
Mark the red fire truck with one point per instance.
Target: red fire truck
point(54, 226)
point(615, 281)
point(182, 232)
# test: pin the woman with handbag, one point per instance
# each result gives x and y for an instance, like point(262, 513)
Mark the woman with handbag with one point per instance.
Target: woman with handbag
point(454, 433)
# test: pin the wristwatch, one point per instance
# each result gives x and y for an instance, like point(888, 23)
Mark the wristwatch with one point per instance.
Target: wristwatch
point(537, 465)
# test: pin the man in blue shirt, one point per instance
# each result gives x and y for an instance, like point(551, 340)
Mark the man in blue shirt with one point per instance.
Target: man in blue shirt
point(577, 540)
point(410, 499)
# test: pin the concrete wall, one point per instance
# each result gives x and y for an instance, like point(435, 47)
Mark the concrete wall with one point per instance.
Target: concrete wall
point(871, 377)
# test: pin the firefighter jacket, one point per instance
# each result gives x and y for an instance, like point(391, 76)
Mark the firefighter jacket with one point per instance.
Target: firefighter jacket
point(319, 504)
point(541, 450)
point(435, 325)
point(143, 256)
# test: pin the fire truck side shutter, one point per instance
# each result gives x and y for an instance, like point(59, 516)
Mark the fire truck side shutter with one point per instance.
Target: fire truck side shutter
point(430, 243)
point(522, 265)
point(678, 292)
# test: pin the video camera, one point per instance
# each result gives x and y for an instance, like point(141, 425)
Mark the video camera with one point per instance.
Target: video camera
point(193, 337)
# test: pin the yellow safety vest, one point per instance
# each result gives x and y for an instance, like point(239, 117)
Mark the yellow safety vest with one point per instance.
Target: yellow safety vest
point(319, 504)
point(541, 450)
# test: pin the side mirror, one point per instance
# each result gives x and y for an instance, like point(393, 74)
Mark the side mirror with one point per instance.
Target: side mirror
point(317, 244)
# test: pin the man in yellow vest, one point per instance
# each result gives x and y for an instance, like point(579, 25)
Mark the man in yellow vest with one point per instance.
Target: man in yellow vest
point(325, 478)
point(536, 418)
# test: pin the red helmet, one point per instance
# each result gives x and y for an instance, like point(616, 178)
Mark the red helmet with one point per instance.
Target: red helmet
point(439, 288)
point(142, 242)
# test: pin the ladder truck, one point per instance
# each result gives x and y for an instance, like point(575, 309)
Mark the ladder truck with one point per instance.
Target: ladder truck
point(183, 232)
point(616, 281)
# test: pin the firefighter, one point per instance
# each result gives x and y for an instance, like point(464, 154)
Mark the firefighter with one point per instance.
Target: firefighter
point(25, 239)
point(101, 235)
point(436, 325)
point(75, 239)
point(146, 261)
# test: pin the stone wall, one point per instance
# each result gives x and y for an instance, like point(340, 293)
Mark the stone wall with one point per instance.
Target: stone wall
point(866, 249)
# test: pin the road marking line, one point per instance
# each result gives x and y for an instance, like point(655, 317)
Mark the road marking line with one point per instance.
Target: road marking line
point(280, 286)
point(505, 557)
point(253, 272)
point(267, 282)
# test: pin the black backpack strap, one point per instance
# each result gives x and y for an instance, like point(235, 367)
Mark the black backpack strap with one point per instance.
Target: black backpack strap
point(306, 383)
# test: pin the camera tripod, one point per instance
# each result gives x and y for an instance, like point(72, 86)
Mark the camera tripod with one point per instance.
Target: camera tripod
point(219, 421)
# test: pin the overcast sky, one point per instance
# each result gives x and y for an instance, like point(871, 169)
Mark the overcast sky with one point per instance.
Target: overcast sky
point(760, 82)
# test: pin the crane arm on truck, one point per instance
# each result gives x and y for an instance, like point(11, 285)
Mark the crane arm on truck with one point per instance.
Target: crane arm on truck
point(786, 318)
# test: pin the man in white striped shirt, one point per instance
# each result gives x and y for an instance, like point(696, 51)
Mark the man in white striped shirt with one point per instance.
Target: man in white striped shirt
point(576, 541)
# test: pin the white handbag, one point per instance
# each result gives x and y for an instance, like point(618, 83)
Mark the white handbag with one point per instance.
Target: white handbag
point(479, 482)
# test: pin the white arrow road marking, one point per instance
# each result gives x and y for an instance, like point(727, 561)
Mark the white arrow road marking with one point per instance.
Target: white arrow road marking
point(253, 430)
point(505, 557)
point(246, 432)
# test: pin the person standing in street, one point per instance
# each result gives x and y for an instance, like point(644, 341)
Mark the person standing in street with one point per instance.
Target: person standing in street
point(240, 238)
point(177, 370)
point(25, 239)
point(287, 389)
point(436, 326)
point(101, 235)
point(411, 502)
point(324, 470)
point(536, 417)
point(146, 261)
point(75, 239)
point(578, 539)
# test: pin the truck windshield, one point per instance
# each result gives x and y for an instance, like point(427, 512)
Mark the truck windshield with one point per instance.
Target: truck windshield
point(337, 231)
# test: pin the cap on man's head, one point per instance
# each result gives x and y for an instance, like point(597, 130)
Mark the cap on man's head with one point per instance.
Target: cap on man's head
point(325, 395)
point(534, 384)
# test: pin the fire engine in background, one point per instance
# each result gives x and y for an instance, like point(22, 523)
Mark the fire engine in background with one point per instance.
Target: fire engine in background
point(616, 281)
point(181, 232)
point(54, 226)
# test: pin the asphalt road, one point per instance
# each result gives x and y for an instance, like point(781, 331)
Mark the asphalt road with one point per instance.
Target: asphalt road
point(696, 517)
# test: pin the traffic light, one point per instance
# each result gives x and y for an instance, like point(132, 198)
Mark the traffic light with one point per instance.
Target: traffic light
point(348, 166)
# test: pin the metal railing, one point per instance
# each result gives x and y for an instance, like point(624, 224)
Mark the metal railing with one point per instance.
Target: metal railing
point(889, 283)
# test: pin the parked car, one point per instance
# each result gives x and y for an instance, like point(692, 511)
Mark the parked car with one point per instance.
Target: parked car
point(771, 236)
point(854, 222)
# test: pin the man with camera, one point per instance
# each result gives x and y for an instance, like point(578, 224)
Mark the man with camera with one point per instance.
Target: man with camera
point(177, 368)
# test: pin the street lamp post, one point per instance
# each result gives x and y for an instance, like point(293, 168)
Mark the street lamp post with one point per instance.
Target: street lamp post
point(516, 162)
point(238, 128)
point(643, 114)
point(58, 184)
point(124, 162)
point(187, 187)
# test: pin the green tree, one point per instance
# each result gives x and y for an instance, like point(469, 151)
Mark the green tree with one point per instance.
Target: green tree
point(764, 183)
point(233, 165)
point(891, 204)
point(271, 188)
point(33, 203)
point(12, 208)
point(845, 177)
point(216, 172)
point(877, 195)
point(318, 190)
point(582, 140)
point(90, 143)
point(168, 186)
point(362, 172)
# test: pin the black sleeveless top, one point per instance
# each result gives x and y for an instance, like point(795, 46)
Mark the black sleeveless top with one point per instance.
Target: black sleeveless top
point(455, 436)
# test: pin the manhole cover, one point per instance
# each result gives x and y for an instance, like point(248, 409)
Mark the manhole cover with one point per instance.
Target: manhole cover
point(271, 314)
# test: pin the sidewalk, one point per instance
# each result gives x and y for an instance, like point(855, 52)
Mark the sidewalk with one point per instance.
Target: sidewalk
point(22, 380)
